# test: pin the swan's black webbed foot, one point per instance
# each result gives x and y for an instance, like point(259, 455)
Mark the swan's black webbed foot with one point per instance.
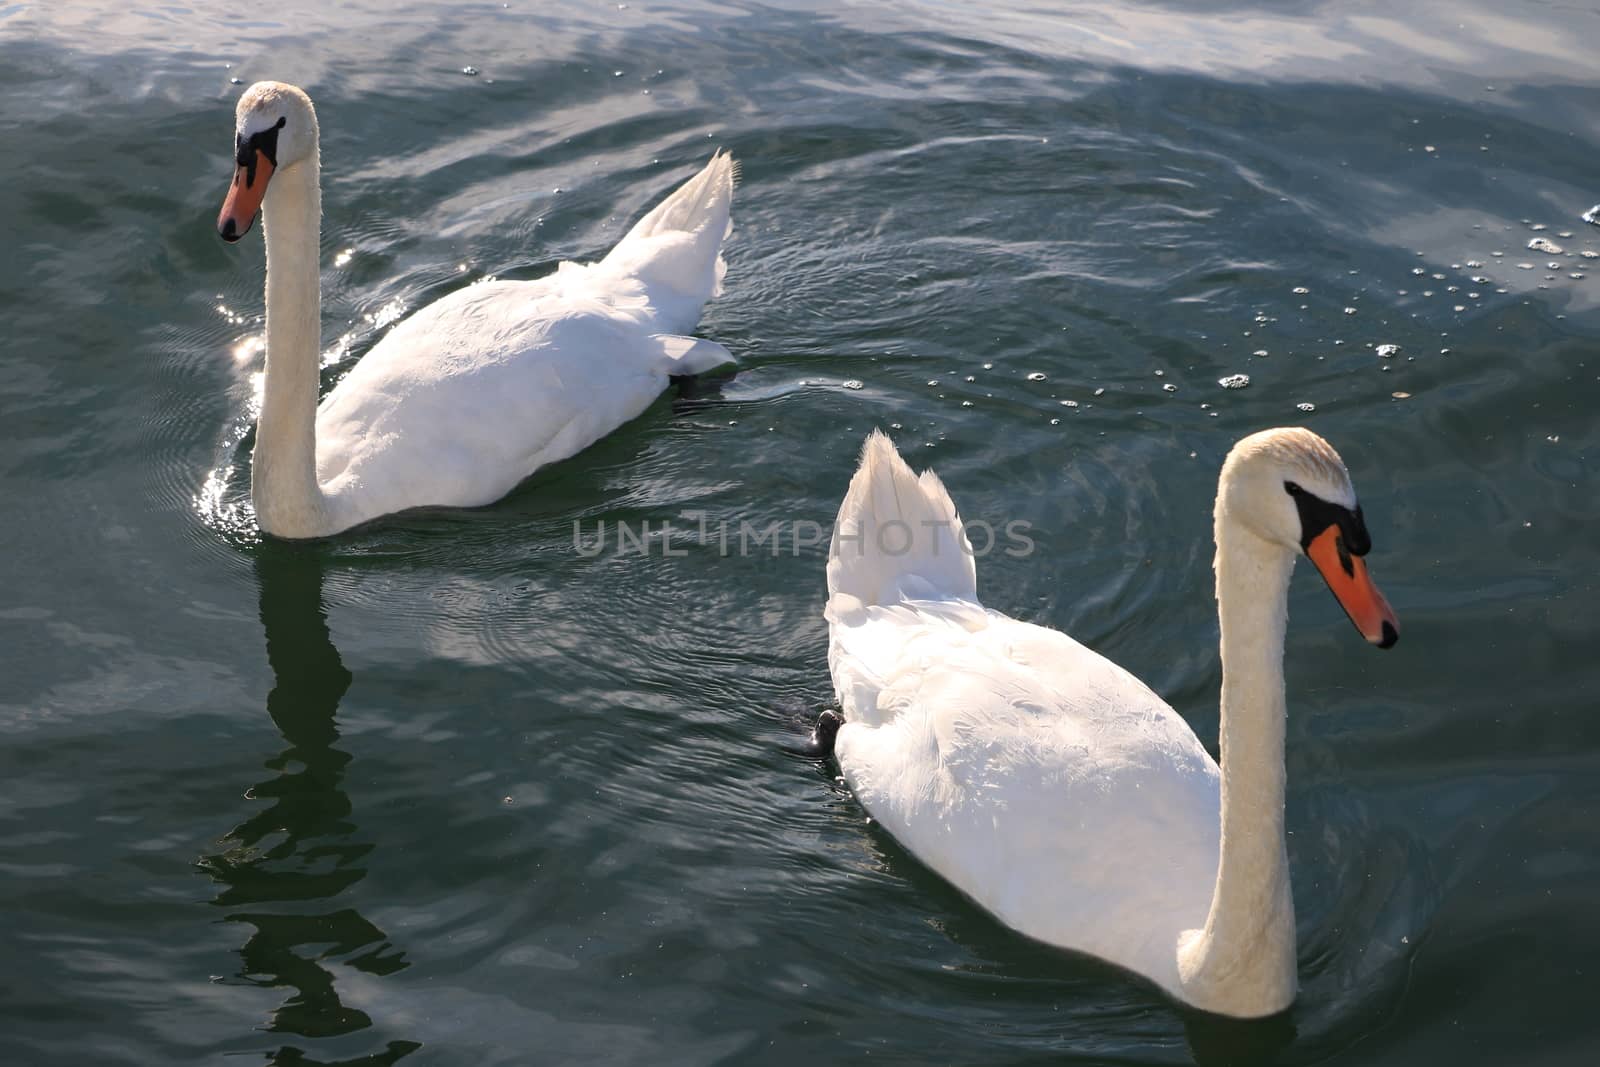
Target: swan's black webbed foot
point(820, 744)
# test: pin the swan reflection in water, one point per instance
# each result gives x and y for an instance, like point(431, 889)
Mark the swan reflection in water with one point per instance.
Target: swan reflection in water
point(282, 869)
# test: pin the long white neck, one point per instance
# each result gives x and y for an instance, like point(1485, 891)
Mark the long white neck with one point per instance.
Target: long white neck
point(283, 474)
point(1243, 962)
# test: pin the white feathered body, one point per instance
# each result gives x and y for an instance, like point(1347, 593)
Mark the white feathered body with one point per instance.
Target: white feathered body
point(466, 398)
point(1044, 781)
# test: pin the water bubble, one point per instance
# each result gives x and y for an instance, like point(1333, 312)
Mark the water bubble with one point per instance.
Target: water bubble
point(1592, 216)
point(1524, 266)
point(1473, 263)
point(235, 81)
point(852, 383)
point(1388, 351)
point(1401, 396)
point(1069, 403)
point(470, 72)
point(1305, 405)
point(1537, 226)
point(1576, 275)
point(1262, 352)
point(1234, 381)
point(1170, 388)
point(1301, 290)
point(1418, 270)
point(1349, 311)
point(1589, 254)
point(1161, 374)
point(988, 366)
point(933, 381)
point(1540, 244)
point(1100, 391)
point(1036, 376)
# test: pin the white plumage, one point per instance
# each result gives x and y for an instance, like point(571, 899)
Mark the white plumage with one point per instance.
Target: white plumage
point(1040, 778)
point(464, 399)
point(1050, 785)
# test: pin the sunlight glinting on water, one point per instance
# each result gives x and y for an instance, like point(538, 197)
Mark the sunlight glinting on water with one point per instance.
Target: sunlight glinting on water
point(456, 787)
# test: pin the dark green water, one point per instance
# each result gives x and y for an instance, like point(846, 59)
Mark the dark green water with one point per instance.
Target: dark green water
point(447, 790)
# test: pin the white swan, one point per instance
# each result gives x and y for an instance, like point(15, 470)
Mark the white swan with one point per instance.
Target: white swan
point(473, 393)
point(1052, 786)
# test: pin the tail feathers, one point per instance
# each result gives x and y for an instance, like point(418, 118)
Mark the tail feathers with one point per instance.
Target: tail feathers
point(703, 198)
point(690, 355)
point(898, 536)
point(675, 250)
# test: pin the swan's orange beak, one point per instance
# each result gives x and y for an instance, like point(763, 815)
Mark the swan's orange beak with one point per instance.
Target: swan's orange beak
point(244, 198)
point(1352, 586)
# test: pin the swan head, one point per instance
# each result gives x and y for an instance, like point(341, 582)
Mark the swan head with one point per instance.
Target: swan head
point(275, 128)
point(1290, 488)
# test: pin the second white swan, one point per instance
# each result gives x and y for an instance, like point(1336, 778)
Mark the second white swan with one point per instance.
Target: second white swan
point(476, 391)
point(1052, 786)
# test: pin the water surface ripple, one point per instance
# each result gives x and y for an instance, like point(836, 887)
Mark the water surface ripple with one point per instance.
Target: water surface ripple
point(448, 788)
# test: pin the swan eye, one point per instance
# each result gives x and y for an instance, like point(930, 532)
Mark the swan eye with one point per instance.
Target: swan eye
point(1317, 516)
point(262, 141)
